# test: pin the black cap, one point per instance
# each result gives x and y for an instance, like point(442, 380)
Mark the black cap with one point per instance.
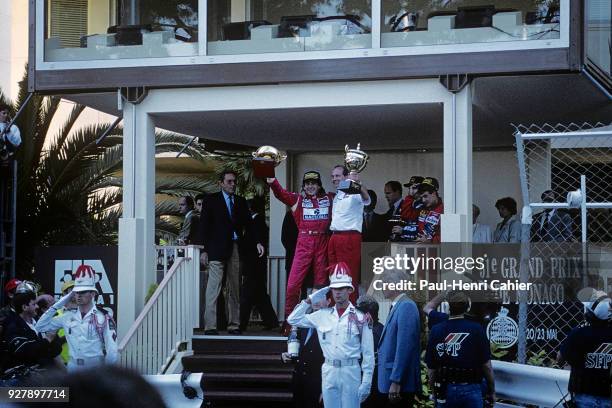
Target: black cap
point(414, 180)
point(429, 184)
point(312, 175)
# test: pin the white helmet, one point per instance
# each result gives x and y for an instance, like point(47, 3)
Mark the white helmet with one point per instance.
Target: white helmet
point(340, 277)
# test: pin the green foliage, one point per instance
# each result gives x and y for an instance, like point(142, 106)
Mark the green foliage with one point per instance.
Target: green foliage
point(150, 292)
point(69, 188)
point(542, 359)
point(424, 401)
point(497, 352)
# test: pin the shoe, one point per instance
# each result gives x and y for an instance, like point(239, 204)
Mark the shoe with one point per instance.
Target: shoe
point(285, 329)
point(211, 332)
point(234, 332)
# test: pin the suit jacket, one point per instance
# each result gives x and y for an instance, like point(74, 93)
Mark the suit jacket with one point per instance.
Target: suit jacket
point(307, 372)
point(256, 266)
point(399, 350)
point(189, 230)
point(558, 228)
point(375, 228)
point(217, 227)
point(25, 346)
point(508, 232)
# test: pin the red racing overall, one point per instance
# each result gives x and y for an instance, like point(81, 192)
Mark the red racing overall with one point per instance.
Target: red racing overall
point(312, 216)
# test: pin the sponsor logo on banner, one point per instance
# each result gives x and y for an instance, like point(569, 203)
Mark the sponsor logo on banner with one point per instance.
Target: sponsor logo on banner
point(503, 330)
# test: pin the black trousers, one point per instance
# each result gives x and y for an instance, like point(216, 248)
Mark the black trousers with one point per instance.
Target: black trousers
point(254, 294)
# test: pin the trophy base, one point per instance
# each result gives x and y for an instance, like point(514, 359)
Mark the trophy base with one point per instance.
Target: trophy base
point(263, 168)
point(349, 187)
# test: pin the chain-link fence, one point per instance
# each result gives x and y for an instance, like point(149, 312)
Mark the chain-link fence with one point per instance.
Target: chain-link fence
point(566, 179)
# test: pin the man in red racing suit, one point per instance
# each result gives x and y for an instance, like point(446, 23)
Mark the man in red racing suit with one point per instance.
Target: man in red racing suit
point(312, 209)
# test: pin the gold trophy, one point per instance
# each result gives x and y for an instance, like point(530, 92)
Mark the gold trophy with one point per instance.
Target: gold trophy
point(355, 161)
point(265, 159)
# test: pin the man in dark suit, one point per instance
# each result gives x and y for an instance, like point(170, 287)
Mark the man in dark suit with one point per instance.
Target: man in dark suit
point(368, 304)
point(224, 222)
point(254, 286)
point(306, 379)
point(399, 372)
point(374, 227)
point(552, 224)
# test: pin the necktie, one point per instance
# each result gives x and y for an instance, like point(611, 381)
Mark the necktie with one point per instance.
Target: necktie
point(233, 217)
point(231, 205)
point(546, 220)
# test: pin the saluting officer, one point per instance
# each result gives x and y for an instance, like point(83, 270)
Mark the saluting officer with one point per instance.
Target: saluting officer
point(90, 332)
point(346, 337)
point(458, 357)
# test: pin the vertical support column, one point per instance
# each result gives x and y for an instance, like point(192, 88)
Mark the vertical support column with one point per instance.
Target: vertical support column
point(278, 209)
point(202, 27)
point(376, 22)
point(457, 218)
point(137, 225)
point(277, 280)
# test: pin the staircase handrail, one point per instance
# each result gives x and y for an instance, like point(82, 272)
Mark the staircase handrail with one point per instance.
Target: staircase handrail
point(149, 305)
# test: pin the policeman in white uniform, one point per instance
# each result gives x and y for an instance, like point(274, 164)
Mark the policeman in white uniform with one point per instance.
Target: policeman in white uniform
point(345, 336)
point(89, 332)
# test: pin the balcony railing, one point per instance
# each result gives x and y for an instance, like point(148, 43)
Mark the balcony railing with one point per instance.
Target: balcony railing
point(192, 31)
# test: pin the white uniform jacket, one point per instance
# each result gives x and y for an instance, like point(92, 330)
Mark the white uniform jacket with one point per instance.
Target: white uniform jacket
point(91, 339)
point(341, 338)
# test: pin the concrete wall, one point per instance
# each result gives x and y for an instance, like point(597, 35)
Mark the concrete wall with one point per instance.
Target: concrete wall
point(495, 174)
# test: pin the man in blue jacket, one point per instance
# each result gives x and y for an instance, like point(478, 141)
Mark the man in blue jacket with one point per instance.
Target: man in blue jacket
point(399, 372)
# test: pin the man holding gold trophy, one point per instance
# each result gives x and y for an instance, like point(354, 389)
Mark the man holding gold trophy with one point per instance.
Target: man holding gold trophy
point(311, 209)
point(347, 217)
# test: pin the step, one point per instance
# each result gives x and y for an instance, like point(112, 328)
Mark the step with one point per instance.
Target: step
point(238, 362)
point(238, 345)
point(211, 379)
point(248, 395)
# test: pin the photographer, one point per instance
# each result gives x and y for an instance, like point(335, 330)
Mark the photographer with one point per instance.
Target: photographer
point(24, 343)
point(10, 139)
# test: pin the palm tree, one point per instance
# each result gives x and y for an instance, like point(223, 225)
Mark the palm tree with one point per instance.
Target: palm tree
point(69, 187)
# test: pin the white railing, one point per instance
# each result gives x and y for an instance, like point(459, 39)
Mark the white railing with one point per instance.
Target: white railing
point(165, 325)
point(525, 384)
point(277, 284)
point(514, 383)
point(166, 256)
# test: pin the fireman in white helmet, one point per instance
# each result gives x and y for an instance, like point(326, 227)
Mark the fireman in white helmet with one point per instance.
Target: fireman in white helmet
point(345, 335)
point(89, 331)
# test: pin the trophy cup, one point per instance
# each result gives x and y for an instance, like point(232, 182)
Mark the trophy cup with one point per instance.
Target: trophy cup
point(355, 161)
point(265, 159)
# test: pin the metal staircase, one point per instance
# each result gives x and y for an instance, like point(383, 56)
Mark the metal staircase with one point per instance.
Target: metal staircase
point(8, 221)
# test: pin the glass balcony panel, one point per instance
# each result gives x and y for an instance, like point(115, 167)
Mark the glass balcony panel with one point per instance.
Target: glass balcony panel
point(270, 26)
point(81, 30)
point(598, 37)
point(415, 23)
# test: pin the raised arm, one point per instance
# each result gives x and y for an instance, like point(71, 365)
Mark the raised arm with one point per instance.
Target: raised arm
point(48, 322)
point(284, 196)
